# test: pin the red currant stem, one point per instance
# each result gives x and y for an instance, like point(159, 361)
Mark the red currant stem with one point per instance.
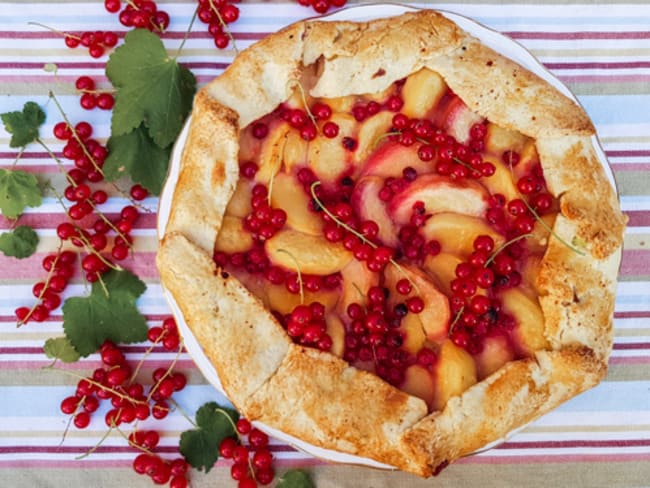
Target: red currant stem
point(277, 168)
point(503, 246)
point(361, 295)
point(358, 234)
point(303, 97)
point(146, 354)
point(295, 261)
point(98, 444)
point(45, 285)
point(462, 163)
point(58, 162)
point(232, 422)
point(541, 221)
point(100, 386)
point(381, 137)
point(456, 319)
point(64, 34)
point(98, 92)
point(89, 156)
point(187, 33)
point(181, 411)
point(89, 249)
point(225, 27)
point(18, 156)
point(167, 373)
point(130, 442)
point(551, 231)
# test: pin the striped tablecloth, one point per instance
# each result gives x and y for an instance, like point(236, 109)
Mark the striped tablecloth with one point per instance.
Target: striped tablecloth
point(601, 50)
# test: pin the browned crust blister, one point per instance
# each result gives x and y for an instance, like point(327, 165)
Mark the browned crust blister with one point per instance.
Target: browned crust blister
point(318, 397)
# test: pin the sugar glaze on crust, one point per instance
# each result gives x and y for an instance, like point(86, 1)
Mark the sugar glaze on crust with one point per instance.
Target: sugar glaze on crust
point(284, 385)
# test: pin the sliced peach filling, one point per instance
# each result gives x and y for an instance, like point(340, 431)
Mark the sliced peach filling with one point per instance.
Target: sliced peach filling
point(399, 231)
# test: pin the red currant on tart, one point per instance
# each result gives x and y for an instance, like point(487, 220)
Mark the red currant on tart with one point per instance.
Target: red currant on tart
point(393, 244)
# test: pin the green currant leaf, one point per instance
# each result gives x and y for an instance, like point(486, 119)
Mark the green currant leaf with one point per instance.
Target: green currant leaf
point(106, 314)
point(295, 478)
point(137, 155)
point(19, 243)
point(23, 125)
point(200, 446)
point(151, 88)
point(61, 348)
point(18, 189)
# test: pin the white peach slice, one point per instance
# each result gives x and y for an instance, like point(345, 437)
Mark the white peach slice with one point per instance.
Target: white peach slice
point(421, 93)
point(455, 371)
point(370, 133)
point(439, 194)
point(498, 140)
point(336, 330)
point(456, 232)
point(529, 331)
point(232, 236)
point(240, 202)
point(367, 205)
point(501, 181)
point(288, 194)
point(442, 268)
point(281, 300)
point(294, 151)
point(390, 159)
point(357, 280)
point(327, 157)
point(271, 153)
point(538, 242)
point(435, 315)
point(419, 382)
point(414, 335)
point(306, 253)
point(496, 352)
point(457, 119)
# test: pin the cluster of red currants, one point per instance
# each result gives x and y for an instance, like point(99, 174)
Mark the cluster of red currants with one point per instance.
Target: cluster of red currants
point(252, 463)
point(95, 41)
point(218, 14)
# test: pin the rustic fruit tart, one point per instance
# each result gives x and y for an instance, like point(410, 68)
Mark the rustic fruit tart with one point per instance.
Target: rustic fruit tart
point(392, 241)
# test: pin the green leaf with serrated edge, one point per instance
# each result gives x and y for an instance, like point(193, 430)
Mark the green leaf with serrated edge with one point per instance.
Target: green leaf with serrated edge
point(18, 189)
point(200, 446)
point(151, 88)
point(23, 126)
point(61, 348)
point(89, 321)
point(135, 154)
point(295, 478)
point(19, 243)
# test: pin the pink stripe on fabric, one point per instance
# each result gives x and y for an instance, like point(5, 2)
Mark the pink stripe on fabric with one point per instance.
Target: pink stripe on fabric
point(93, 463)
point(638, 218)
point(567, 36)
point(636, 262)
point(628, 361)
point(99, 65)
point(622, 167)
point(632, 315)
point(103, 449)
point(203, 34)
point(559, 458)
point(574, 444)
point(79, 365)
point(605, 78)
point(59, 318)
point(51, 220)
point(627, 153)
point(30, 269)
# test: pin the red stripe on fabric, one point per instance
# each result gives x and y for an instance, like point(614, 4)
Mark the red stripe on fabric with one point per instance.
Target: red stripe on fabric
point(91, 463)
point(44, 35)
point(98, 65)
point(103, 449)
point(150, 363)
point(59, 318)
point(568, 36)
point(574, 444)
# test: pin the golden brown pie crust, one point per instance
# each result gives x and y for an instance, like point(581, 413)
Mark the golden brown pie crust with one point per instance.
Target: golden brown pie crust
point(316, 396)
